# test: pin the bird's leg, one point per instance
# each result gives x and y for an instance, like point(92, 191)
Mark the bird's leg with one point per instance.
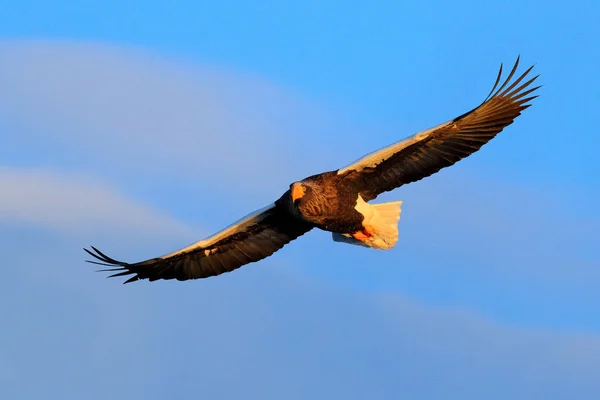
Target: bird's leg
point(364, 234)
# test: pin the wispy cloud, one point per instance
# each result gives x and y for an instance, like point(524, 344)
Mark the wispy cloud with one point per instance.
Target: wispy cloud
point(73, 203)
point(264, 332)
point(318, 340)
point(124, 109)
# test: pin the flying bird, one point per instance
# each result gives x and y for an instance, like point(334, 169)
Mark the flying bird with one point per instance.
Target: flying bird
point(338, 201)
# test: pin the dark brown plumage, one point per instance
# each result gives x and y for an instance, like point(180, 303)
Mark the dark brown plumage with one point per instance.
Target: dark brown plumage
point(335, 201)
point(269, 231)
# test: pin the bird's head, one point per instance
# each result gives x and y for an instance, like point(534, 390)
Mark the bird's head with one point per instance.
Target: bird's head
point(298, 192)
point(304, 199)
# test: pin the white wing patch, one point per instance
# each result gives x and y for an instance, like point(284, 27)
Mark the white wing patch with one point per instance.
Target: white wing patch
point(377, 157)
point(237, 226)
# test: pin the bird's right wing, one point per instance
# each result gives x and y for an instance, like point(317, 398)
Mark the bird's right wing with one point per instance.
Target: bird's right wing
point(250, 239)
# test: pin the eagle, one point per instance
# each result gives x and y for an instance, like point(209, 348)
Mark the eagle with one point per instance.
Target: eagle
point(338, 201)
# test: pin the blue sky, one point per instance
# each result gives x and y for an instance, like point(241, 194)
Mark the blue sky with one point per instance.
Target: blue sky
point(142, 127)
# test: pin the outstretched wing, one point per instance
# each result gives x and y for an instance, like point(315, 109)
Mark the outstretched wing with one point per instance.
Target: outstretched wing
point(426, 152)
point(251, 239)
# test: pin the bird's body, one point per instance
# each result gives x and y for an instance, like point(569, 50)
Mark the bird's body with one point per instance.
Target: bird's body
point(328, 202)
point(337, 201)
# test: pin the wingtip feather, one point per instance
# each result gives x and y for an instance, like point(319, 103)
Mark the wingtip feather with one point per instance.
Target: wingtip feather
point(107, 261)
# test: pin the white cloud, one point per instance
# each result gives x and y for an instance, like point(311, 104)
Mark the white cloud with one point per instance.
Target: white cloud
point(119, 108)
point(320, 341)
point(74, 203)
point(265, 333)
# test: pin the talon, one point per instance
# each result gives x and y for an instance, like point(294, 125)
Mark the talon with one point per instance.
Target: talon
point(359, 235)
point(365, 234)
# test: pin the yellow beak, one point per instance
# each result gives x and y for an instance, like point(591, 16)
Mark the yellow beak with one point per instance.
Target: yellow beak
point(297, 191)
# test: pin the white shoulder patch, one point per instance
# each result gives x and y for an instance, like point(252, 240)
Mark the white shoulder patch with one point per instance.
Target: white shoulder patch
point(237, 226)
point(377, 157)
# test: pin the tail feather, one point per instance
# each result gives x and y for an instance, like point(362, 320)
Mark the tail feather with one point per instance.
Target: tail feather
point(383, 218)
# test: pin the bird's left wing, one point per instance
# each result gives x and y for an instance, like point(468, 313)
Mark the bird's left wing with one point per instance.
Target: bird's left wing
point(250, 239)
point(426, 152)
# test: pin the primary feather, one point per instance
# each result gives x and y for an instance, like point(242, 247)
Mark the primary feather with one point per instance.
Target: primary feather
point(426, 152)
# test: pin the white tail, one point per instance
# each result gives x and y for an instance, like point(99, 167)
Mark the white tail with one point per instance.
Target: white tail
point(383, 218)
